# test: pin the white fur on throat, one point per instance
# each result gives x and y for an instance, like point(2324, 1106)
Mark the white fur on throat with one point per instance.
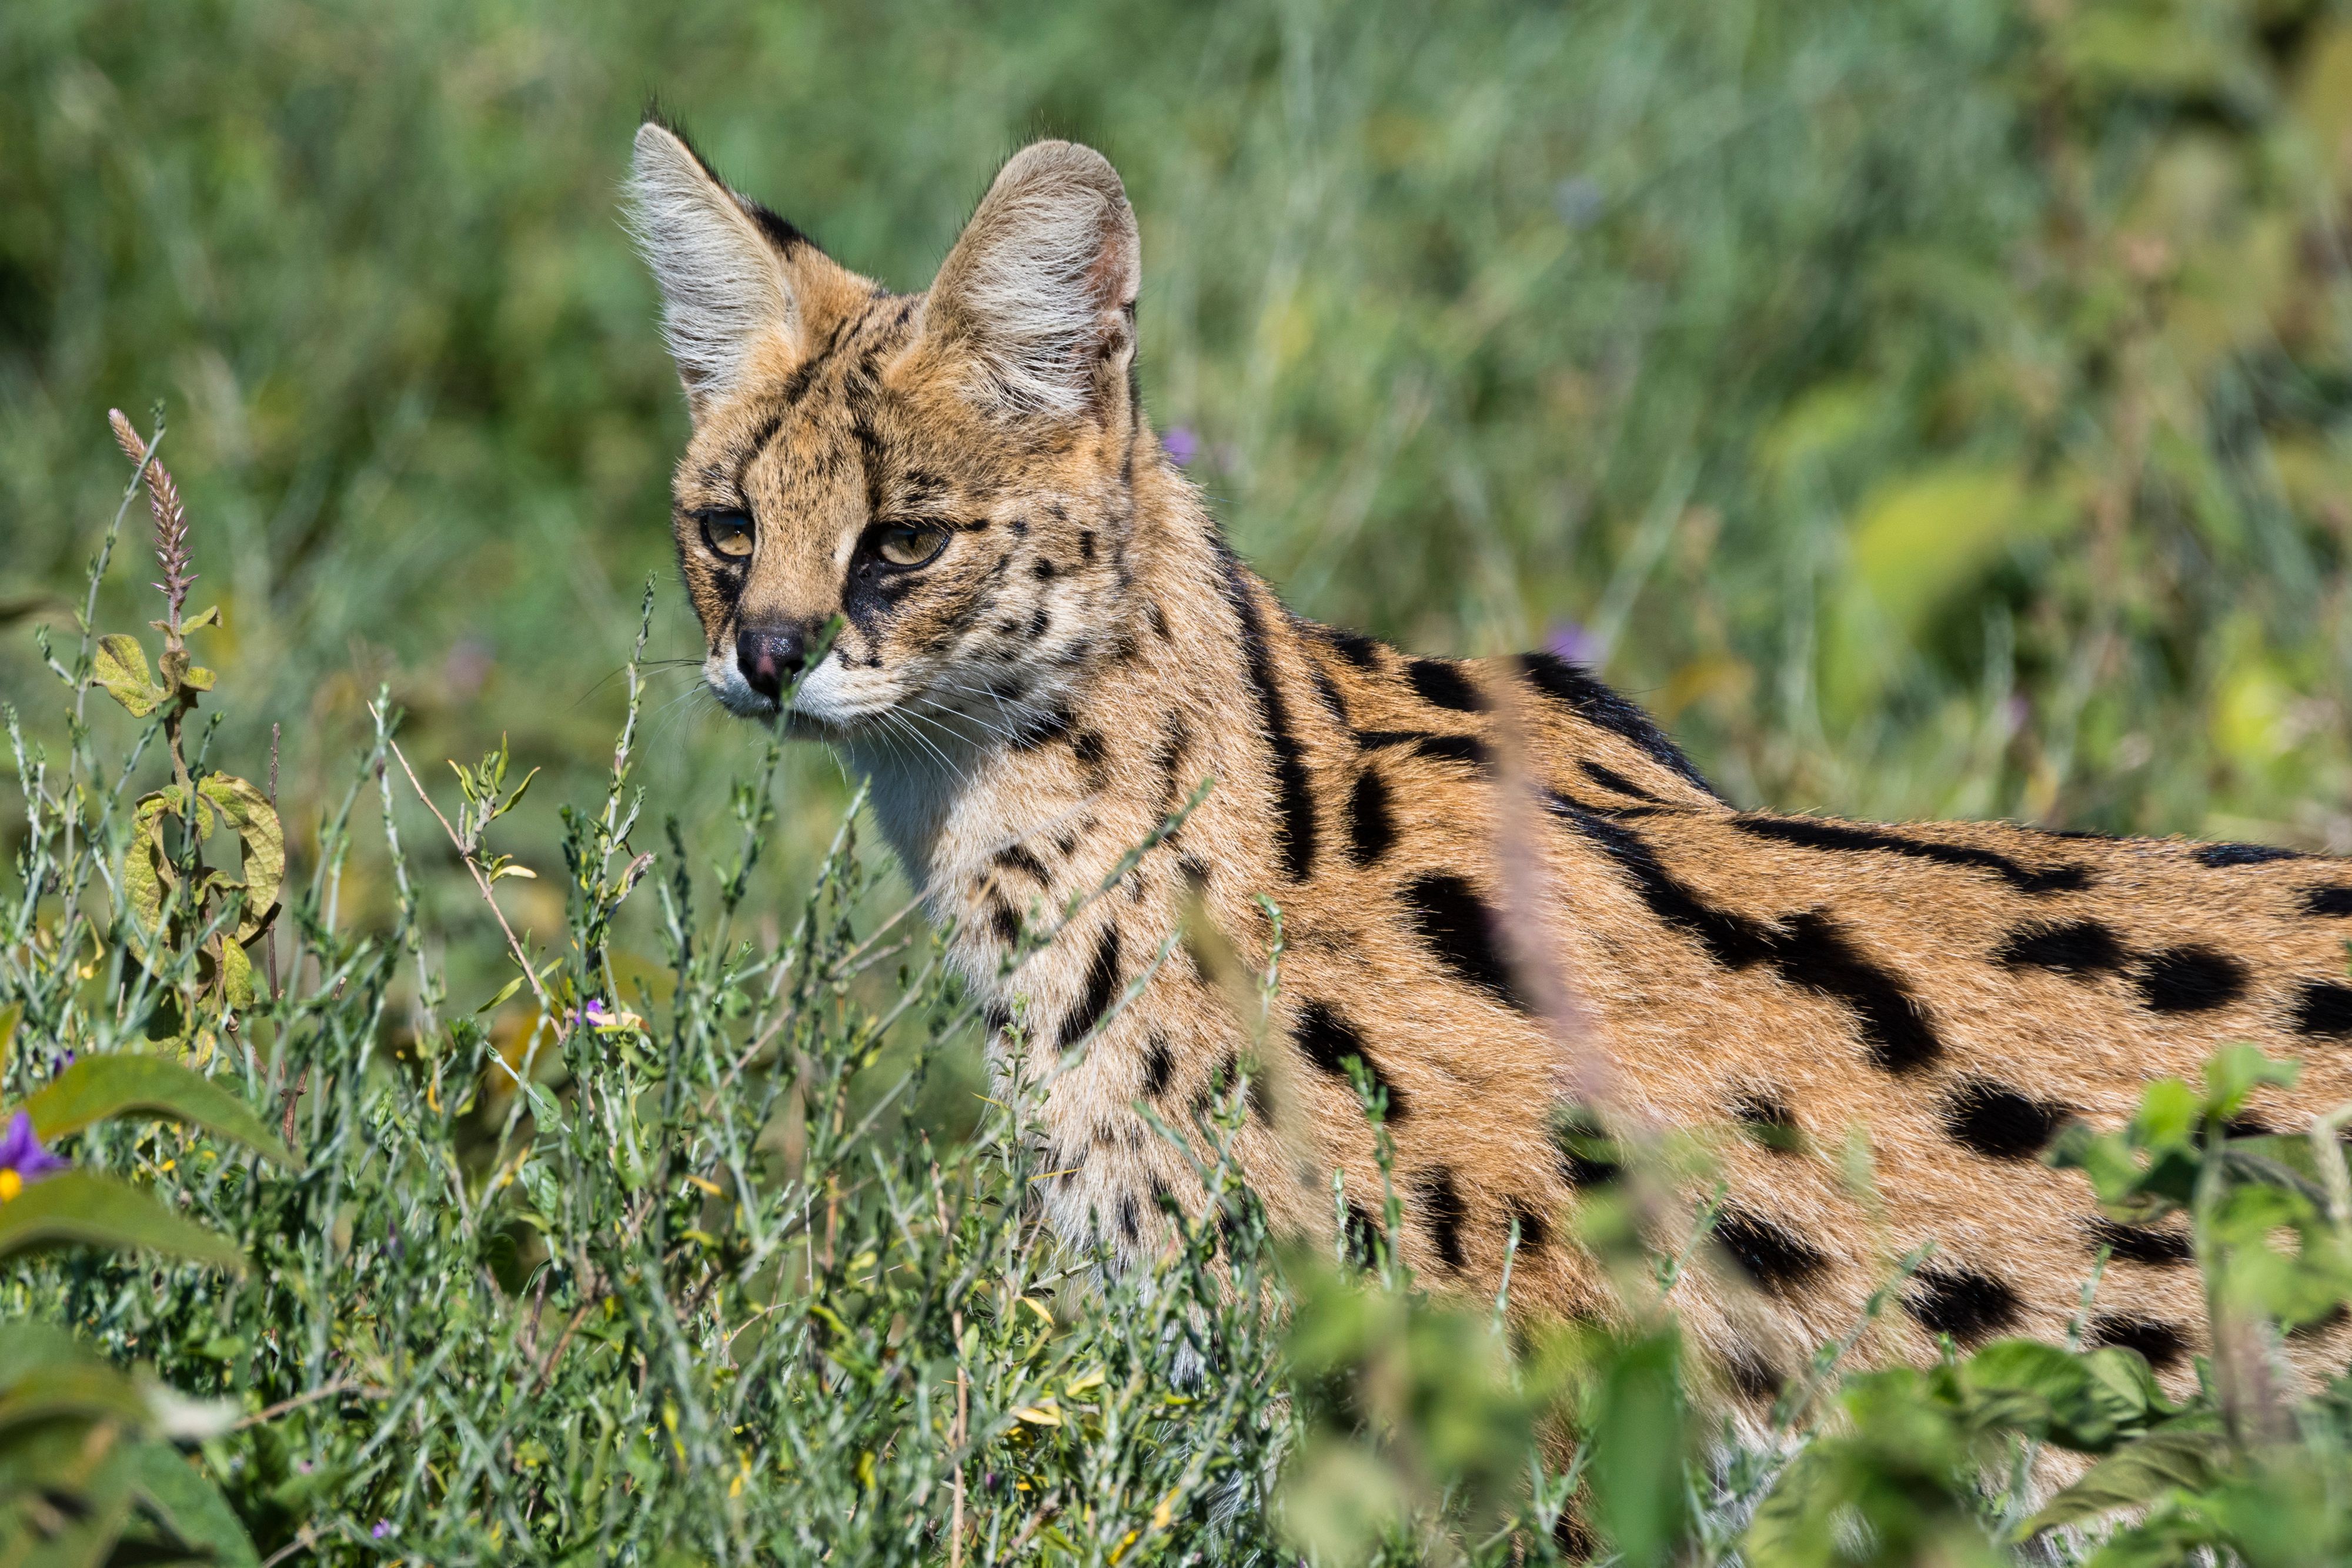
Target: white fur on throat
point(722, 283)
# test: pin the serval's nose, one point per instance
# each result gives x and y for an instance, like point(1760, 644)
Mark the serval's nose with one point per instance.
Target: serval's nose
point(771, 655)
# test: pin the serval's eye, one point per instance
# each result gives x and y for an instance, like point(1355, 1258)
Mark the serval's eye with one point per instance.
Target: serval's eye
point(728, 533)
point(910, 544)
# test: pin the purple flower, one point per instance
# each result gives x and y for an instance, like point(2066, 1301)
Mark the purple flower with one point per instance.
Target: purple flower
point(22, 1158)
point(383, 1528)
point(1575, 644)
point(1180, 445)
point(601, 1014)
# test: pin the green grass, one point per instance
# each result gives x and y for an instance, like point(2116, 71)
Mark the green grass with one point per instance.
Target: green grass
point(1929, 409)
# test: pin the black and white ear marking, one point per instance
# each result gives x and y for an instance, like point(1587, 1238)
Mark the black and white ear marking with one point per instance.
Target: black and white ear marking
point(718, 259)
point(1041, 287)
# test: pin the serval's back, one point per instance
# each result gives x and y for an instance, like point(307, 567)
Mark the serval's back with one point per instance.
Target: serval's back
point(1502, 889)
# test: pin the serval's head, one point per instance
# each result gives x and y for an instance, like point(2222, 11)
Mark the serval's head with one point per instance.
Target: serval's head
point(949, 473)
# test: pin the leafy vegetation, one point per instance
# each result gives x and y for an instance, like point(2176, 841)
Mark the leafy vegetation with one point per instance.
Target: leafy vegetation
point(1930, 408)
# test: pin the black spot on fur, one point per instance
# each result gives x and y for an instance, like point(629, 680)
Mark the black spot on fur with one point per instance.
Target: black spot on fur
point(2333, 1318)
point(1085, 544)
point(997, 1017)
point(1195, 872)
point(1816, 955)
point(1456, 924)
point(1608, 777)
point(1327, 691)
point(1325, 1037)
point(1003, 922)
point(1998, 1123)
point(2328, 902)
point(2189, 979)
point(1534, 1234)
point(1041, 729)
point(1442, 684)
point(1769, 1121)
point(1018, 857)
point(1585, 696)
point(1808, 949)
point(1440, 1207)
point(1816, 833)
point(2082, 947)
point(1039, 620)
point(2242, 854)
point(1371, 829)
point(1357, 650)
point(1969, 1306)
point(1467, 749)
point(1754, 1376)
point(1359, 1236)
point(1126, 1226)
point(1158, 1063)
point(1102, 982)
point(1588, 1157)
point(1087, 746)
point(1768, 1255)
point(1573, 1539)
point(1260, 1096)
point(2324, 1007)
point(1294, 824)
point(2159, 1345)
point(2141, 1243)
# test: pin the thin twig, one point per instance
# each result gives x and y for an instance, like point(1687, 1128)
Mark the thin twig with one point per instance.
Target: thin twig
point(269, 936)
point(340, 1385)
point(547, 1367)
point(546, 1003)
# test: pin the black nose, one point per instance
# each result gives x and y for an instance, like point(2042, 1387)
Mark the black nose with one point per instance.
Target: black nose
point(768, 656)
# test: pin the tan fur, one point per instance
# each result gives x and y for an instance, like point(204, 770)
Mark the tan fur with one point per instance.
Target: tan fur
point(1032, 703)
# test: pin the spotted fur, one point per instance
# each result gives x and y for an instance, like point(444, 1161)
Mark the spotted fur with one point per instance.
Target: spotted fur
point(1084, 650)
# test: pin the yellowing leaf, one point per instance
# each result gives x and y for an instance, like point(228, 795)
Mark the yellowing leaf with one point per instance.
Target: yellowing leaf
point(255, 822)
point(120, 666)
point(1045, 1413)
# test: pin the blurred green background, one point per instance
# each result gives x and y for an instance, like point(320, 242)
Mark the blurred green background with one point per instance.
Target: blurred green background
point(1929, 407)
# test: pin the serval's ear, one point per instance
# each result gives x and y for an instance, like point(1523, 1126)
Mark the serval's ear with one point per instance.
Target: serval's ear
point(1040, 289)
point(725, 265)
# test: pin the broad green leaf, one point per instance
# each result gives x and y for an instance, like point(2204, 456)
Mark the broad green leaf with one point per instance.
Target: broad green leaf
point(87, 1390)
point(1638, 1433)
point(97, 1087)
point(189, 1505)
point(237, 976)
point(2134, 1475)
point(28, 1344)
point(2234, 1072)
point(84, 1209)
point(255, 822)
point(208, 616)
point(120, 666)
point(198, 678)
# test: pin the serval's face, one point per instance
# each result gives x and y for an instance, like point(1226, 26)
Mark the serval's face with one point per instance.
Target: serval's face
point(942, 480)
